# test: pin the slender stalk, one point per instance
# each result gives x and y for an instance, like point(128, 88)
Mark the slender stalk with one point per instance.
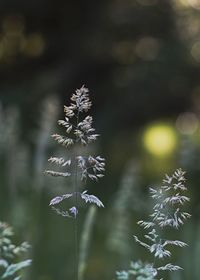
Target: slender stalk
point(76, 229)
point(76, 245)
point(76, 205)
point(85, 241)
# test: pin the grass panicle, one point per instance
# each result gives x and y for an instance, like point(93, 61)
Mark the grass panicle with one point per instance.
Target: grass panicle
point(78, 131)
point(168, 212)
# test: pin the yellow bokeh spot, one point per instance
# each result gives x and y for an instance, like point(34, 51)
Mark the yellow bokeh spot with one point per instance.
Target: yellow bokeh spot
point(160, 139)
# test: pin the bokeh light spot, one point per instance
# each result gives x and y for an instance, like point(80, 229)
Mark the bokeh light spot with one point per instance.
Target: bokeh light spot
point(195, 51)
point(34, 45)
point(124, 52)
point(160, 139)
point(188, 3)
point(194, 4)
point(187, 123)
point(13, 25)
point(2, 50)
point(147, 48)
point(147, 2)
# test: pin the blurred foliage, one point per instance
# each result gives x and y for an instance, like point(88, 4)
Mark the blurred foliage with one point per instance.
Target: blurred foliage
point(9, 252)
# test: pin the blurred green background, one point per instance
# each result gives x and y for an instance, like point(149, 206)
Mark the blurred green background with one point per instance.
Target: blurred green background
point(141, 61)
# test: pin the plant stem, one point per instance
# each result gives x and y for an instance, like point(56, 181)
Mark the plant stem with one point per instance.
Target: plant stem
point(76, 230)
point(76, 205)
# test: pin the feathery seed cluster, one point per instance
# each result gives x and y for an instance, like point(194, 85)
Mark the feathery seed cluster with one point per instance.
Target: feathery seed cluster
point(79, 131)
point(167, 212)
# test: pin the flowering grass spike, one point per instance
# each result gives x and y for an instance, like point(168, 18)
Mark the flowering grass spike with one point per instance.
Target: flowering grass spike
point(168, 212)
point(78, 131)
